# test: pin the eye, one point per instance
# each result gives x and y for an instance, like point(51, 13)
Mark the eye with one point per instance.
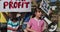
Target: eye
point(39, 11)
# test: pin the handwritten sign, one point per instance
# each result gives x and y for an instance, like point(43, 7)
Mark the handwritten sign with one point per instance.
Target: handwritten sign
point(15, 5)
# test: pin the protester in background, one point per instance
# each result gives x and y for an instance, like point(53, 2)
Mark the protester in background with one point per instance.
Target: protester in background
point(12, 25)
point(36, 24)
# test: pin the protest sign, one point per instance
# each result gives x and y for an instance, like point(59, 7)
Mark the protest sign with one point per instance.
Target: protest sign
point(15, 6)
point(45, 7)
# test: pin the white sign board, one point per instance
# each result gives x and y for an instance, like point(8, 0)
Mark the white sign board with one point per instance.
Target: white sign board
point(15, 5)
point(45, 7)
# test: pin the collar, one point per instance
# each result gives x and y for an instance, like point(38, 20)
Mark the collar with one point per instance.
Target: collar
point(36, 19)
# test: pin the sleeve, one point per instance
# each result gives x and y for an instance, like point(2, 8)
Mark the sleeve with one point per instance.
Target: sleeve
point(18, 24)
point(42, 26)
point(30, 23)
point(9, 24)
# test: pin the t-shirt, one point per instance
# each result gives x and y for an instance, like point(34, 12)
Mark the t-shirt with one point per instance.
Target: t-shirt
point(12, 24)
point(36, 25)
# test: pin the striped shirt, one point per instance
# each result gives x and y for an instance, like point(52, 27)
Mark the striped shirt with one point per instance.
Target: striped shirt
point(12, 24)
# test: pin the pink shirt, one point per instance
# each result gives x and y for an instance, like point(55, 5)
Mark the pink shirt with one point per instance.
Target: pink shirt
point(36, 25)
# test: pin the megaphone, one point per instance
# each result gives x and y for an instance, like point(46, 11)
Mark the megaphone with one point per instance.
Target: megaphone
point(52, 26)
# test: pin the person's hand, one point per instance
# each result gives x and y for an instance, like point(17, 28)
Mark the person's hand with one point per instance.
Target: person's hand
point(25, 30)
point(33, 31)
point(14, 29)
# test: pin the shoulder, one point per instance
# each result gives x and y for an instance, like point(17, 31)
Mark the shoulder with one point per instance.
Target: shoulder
point(42, 21)
point(9, 21)
point(31, 18)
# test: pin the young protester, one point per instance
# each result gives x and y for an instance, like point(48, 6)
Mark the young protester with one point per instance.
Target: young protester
point(12, 25)
point(36, 24)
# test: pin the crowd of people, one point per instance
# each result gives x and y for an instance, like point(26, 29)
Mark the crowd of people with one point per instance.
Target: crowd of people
point(28, 22)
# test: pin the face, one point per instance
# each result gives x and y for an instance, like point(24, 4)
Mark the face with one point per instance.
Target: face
point(10, 15)
point(38, 13)
point(14, 20)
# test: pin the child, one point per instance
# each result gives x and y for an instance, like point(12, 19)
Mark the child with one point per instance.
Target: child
point(12, 25)
point(36, 24)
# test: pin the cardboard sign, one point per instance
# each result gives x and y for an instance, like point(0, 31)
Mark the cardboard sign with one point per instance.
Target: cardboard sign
point(15, 6)
point(45, 7)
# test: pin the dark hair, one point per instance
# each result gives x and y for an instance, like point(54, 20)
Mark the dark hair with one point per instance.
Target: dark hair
point(35, 10)
point(14, 19)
